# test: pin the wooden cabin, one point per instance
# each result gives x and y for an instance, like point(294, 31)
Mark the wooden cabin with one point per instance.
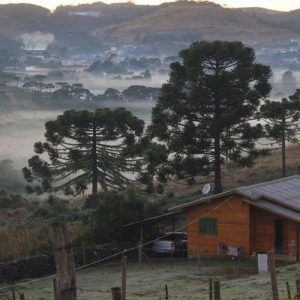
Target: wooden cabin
point(258, 218)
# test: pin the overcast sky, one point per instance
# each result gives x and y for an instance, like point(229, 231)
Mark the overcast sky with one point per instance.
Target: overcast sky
point(273, 4)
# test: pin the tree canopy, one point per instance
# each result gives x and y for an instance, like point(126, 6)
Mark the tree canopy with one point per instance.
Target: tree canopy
point(82, 148)
point(282, 122)
point(204, 113)
point(115, 209)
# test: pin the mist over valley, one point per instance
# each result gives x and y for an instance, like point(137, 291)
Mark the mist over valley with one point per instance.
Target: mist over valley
point(49, 65)
point(155, 133)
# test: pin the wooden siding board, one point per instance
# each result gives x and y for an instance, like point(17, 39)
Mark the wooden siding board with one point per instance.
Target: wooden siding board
point(264, 231)
point(239, 224)
point(231, 231)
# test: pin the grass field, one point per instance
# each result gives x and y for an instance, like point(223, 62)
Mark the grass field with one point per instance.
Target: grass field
point(183, 277)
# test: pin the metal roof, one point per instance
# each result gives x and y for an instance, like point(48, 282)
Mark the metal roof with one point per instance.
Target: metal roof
point(283, 193)
point(277, 209)
point(201, 200)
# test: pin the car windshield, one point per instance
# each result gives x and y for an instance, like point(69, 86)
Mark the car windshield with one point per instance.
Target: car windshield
point(175, 236)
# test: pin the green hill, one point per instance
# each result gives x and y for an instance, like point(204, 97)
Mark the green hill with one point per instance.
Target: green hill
point(129, 23)
point(16, 19)
point(211, 20)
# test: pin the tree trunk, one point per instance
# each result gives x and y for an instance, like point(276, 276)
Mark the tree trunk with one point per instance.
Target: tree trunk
point(94, 163)
point(217, 167)
point(283, 154)
point(217, 150)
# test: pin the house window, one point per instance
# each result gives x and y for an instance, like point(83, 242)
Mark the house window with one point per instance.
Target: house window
point(208, 226)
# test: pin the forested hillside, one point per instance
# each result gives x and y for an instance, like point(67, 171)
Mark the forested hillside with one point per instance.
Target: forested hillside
point(105, 24)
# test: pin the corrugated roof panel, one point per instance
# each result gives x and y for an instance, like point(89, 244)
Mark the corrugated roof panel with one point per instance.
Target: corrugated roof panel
point(284, 189)
point(293, 193)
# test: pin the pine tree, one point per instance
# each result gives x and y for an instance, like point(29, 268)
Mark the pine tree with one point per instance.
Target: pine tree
point(282, 122)
point(82, 148)
point(205, 110)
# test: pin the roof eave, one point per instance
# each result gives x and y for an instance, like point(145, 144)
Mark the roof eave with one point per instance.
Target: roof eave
point(202, 200)
point(273, 211)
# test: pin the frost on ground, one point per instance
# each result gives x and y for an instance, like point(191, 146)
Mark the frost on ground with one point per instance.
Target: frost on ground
point(184, 278)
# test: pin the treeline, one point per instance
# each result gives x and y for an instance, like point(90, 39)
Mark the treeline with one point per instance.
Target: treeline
point(65, 91)
point(212, 112)
point(132, 93)
point(208, 114)
point(111, 65)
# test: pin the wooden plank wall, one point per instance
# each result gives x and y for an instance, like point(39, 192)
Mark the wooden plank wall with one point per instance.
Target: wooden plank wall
point(262, 232)
point(233, 226)
point(292, 238)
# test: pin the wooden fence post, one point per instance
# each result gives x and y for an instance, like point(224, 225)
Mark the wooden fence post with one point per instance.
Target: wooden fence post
point(83, 250)
point(210, 283)
point(297, 242)
point(64, 262)
point(272, 269)
point(124, 274)
point(140, 255)
point(13, 293)
point(298, 289)
point(55, 289)
point(288, 291)
point(217, 292)
point(141, 247)
point(199, 257)
point(167, 292)
point(116, 293)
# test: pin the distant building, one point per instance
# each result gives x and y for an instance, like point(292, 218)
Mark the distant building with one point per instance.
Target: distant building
point(36, 52)
point(3, 84)
point(295, 41)
point(94, 14)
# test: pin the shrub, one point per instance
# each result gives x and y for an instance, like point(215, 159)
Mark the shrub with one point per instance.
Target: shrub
point(117, 209)
point(10, 201)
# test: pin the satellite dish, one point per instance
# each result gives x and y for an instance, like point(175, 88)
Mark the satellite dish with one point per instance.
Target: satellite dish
point(206, 189)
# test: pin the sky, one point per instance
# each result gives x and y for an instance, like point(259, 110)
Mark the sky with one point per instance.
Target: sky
point(272, 4)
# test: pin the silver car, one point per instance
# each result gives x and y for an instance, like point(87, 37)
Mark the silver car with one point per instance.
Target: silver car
point(171, 243)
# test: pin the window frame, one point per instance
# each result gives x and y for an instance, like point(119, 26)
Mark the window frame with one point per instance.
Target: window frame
point(208, 226)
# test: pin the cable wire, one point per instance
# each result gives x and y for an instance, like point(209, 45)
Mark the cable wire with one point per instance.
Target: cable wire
point(121, 252)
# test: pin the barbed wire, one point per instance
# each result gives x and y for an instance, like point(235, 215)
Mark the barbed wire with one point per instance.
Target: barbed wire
point(123, 252)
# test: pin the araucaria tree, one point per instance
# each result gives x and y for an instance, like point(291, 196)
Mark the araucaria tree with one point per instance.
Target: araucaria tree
point(282, 120)
point(205, 110)
point(98, 148)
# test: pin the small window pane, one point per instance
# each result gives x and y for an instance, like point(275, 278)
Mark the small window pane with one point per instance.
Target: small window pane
point(208, 226)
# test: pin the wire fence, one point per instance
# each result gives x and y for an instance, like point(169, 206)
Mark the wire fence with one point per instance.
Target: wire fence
point(185, 279)
point(134, 248)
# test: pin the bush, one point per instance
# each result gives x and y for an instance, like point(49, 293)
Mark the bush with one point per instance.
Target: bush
point(11, 179)
point(55, 209)
point(117, 209)
point(42, 213)
point(91, 202)
point(10, 201)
